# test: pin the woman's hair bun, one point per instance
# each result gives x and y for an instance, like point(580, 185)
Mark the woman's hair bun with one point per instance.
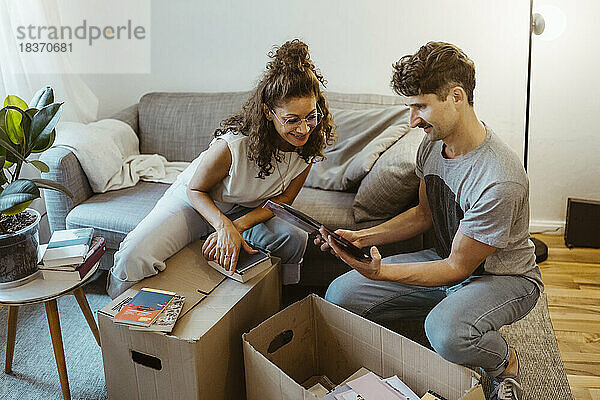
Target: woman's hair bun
point(293, 54)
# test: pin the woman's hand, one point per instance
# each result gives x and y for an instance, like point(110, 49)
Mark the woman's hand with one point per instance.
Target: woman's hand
point(223, 246)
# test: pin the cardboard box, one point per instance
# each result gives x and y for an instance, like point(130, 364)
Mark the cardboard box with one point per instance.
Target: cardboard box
point(315, 337)
point(202, 357)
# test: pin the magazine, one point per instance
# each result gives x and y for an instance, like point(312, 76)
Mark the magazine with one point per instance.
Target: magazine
point(165, 321)
point(144, 307)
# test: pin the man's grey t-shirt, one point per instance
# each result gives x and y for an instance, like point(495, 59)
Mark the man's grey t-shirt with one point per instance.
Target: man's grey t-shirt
point(485, 195)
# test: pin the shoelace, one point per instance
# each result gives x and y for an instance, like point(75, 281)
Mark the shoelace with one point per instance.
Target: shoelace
point(506, 389)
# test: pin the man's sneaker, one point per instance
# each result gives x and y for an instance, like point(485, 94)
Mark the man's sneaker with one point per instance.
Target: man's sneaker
point(506, 387)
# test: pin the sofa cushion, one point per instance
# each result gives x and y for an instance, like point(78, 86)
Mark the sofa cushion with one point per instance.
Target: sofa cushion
point(129, 116)
point(351, 101)
point(180, 126)
point(332, 209)
point(114, 214)
point(362, 135)
point(392, 185)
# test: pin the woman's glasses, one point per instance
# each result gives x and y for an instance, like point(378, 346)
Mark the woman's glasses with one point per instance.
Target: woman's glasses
point(292, 123)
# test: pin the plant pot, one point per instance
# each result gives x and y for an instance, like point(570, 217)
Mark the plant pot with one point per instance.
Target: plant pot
point(19, 251)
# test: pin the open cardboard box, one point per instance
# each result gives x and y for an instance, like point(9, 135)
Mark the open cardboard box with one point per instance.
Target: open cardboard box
point(314, 337)
point(202, 357)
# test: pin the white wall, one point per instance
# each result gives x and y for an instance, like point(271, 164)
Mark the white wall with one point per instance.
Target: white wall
point(221, 46)
point(564, 156)
point(218, 46)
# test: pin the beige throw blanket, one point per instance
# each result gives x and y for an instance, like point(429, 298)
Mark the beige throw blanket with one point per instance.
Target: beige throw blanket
point(108, 151)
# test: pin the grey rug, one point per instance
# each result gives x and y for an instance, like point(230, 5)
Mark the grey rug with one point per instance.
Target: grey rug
point(35, 375)
point(541, 368)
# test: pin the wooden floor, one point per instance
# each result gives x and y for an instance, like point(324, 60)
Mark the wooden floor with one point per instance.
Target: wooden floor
point(572, 279)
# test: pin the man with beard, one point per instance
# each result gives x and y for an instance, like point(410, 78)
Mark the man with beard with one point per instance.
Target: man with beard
point(474, 195)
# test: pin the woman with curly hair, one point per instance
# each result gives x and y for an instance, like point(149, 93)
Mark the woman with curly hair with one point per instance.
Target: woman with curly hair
point(264, 152)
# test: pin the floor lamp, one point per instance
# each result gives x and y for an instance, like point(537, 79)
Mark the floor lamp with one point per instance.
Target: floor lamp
point(536, 26)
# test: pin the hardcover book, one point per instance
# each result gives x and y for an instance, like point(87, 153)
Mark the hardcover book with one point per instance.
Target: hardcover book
point(144, 307)
point(248, 265)
point(77, 271)
point(74, 276)
point(68, 247)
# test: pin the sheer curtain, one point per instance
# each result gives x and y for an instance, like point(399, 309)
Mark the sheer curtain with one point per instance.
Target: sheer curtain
point(16, 77)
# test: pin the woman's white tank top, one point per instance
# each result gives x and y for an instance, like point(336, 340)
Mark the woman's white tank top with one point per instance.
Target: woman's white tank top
point(241, 185)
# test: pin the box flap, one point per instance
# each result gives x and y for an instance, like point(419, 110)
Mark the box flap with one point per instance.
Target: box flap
point(476, 393)
point(188, 274)
point(204, 276)
point(287, 340)
point(215, 306)
point(345, 341)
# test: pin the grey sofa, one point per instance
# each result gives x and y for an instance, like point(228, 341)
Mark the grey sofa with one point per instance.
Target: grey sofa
point(179, 126)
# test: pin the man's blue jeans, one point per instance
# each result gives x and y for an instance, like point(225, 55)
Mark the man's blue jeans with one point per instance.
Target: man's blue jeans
point(461, 321)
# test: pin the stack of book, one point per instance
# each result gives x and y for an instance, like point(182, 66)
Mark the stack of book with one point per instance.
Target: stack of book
point(248, 265)
point(146, 309)
point(71, 254)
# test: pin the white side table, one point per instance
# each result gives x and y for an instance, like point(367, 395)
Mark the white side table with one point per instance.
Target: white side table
point(38, 290)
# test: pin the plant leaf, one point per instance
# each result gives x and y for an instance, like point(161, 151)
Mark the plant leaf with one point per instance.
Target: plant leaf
point(9, 147)
point(13, 118)
point(43, 124)
point(2, 151)
point(14, 130)
point(17, 193)
point(7, 164)
point(15, 101)
point(42, 146)
point(42, 98)
point(3, 119)
point(26, 126)
point(40, 165)
point(19, 208)
point(3, 179)
point(48, 184)
point(23, 127)
point(31, 112)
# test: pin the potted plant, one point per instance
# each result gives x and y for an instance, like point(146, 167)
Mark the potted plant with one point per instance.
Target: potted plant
point(23, 130)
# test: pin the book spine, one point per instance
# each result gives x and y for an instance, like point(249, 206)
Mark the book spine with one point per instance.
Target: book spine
point(57, 275)
point(71, 237)
point(63, 261)
point(69, 242)
point(96, 253)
